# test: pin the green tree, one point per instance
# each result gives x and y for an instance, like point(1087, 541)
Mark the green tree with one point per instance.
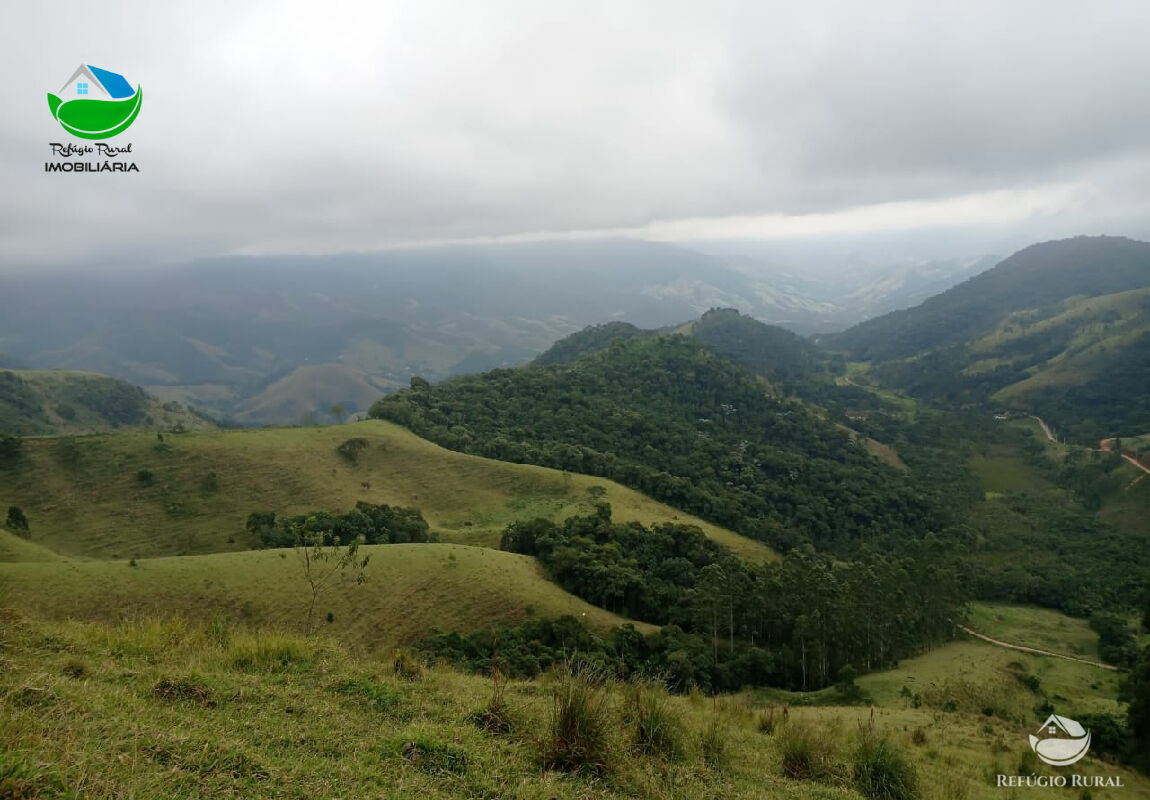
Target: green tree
point(16, 521)
point(339, 412)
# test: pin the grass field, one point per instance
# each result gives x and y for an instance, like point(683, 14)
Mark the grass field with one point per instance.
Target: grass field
point(172, 710)
point(1031, 626)
point(411, 588)
point(89, 499)
point(1001, 470)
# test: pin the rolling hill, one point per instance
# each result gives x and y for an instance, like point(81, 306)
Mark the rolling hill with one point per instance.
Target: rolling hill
point(1060, 329)
point(57, 401)
point(410, 589)
point(130, 494)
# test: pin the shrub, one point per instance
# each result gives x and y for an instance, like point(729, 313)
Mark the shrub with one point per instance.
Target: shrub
point(657, 731)
point(713, 743)
point(16, 521)
point(407, 666)
point(881, 771)
point(577, 738)
point(919, 737)
point(351, 449)
point(496, 716)
point(145, 477)
point(767, 721)
point(807, 754)
point(210, 483)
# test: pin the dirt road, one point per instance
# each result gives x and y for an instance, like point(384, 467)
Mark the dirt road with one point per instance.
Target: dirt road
point(1045, 428)
point(978, 635)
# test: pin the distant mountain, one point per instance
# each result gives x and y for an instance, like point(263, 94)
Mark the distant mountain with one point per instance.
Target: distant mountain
point(46, 402)
point(1060, 329)
point(218, 334)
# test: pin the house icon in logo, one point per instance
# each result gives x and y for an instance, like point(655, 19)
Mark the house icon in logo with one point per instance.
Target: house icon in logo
point(95, 103)
point(93, 83)
point(1064, 741)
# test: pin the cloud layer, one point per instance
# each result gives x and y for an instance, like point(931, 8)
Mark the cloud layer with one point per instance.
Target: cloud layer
point(303, 127)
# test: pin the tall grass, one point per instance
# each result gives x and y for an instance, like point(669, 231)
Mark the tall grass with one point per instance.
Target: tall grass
point(578, 736)
point(880, 770)
point(655, 728)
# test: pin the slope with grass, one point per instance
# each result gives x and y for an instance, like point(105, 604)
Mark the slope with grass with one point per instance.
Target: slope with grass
point(37, 402)
point(177, 710)
point(410, 589)
point(129, 494)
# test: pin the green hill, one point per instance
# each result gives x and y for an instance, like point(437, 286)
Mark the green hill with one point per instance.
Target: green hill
point(666, 415)
point(411, 589)
point(58, 401)
point(130, 494)
point(1061, 330)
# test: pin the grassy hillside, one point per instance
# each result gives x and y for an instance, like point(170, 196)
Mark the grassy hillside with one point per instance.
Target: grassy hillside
point(1060, 329)
point(172, 710)
point(89, 497)
point(59, 401)
point(411, 588)
point(313, 389)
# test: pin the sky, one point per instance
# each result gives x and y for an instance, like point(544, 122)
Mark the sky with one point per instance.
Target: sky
point(302, 127)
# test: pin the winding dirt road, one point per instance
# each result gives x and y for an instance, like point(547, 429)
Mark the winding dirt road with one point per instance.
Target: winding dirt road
point(1010, 646)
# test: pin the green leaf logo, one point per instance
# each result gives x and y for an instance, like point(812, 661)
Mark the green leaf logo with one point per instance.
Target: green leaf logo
point(95, 103)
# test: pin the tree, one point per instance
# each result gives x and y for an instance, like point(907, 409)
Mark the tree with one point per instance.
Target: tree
point(16, 521)
point(322, 559)
point(10, 447)
point(339, 412)
point(1136, 691)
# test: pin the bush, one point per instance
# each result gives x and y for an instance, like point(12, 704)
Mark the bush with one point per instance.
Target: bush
point(881, 771)
point(407, 666)
point(496, 716)
point(767, 722)
point(577, 738)
point(16, 521)
point(657, 731)
point(713, 743)
point(145, 477)
point(350, 450)
point(210, 483)
point(807, 754)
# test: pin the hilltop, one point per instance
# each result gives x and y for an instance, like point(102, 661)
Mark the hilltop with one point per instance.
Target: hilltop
point(61, 401)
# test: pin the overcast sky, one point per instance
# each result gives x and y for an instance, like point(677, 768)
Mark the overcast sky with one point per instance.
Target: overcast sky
point(325, 127)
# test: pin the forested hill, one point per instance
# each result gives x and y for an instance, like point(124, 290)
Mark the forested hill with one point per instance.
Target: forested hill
point(1036, 277)
point(767, 350)
point(59, 401)
point(1061, 330)
point(665, 415)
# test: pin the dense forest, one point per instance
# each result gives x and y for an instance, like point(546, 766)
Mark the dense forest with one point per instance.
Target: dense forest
point(810, 615)
point(670, 418)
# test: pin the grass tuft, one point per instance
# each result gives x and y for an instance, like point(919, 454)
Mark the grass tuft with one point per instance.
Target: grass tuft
point(807, 752)
point(578, 735)
point(656, 729)
point(880, 770)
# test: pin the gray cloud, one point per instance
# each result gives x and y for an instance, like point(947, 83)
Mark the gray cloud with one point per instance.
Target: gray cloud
point(324, 127)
